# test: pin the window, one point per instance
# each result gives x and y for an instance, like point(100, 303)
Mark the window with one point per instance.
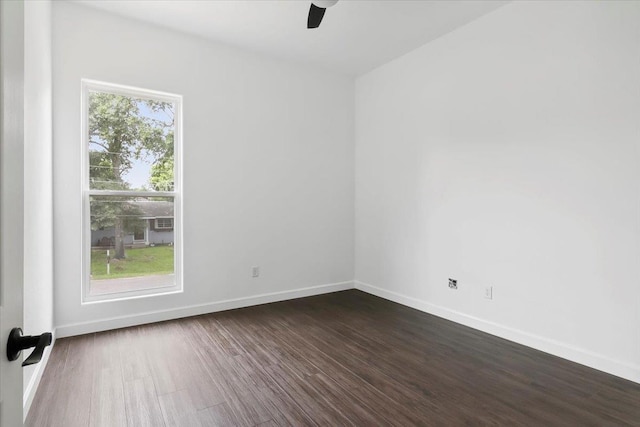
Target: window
point(131, 190)
point(164, 223)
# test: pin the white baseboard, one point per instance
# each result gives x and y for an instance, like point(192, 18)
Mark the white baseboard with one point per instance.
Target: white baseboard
point(194, 310)
point(584, 357)
point(574, 354)
point(32, 386)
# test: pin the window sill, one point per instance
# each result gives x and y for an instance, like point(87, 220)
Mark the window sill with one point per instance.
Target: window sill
point(132, 294)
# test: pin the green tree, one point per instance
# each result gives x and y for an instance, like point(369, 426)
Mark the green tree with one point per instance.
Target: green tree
point(120, 133)
point(162, 170)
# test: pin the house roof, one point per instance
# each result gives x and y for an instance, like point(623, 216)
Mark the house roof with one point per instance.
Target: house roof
point(154, 208)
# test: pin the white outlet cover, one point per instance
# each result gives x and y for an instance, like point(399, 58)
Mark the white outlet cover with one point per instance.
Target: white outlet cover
point(488, 292)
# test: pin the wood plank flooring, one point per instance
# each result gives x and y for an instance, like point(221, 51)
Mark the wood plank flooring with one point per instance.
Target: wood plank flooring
point(340, 359)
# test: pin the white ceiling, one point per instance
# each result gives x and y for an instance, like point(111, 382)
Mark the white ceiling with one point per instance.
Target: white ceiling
point(356, 36)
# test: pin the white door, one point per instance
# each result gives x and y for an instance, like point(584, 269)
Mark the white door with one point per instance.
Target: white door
point(11, 203)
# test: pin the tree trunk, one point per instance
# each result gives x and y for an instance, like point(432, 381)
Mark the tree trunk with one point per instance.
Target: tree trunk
point(115, 163)
point(119, 249)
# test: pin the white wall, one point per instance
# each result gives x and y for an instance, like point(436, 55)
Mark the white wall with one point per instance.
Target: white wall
point(268, 162)
point(38, 190)
point(506, 153)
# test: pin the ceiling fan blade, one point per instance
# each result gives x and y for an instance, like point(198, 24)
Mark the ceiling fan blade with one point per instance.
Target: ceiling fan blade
point(315, 16)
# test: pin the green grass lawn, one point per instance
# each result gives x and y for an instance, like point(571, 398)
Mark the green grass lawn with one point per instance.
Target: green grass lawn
point(138, 262)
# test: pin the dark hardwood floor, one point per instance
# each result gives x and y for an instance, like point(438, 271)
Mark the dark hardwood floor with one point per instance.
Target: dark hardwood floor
point(346, 358)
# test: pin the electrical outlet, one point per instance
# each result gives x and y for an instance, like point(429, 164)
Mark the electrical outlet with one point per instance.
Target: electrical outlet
point(255, 271)
point(453, 284)
point(488, 292)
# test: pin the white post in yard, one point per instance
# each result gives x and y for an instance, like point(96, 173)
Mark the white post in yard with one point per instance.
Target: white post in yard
point(108, 264)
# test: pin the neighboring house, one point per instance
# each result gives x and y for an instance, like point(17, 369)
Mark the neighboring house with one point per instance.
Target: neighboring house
point(155, 229)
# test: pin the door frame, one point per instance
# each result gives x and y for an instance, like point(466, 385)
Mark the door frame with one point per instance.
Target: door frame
point(11, 204)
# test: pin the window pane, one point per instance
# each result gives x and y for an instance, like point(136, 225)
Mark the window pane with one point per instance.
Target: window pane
point(130, 143)
point(129, 252)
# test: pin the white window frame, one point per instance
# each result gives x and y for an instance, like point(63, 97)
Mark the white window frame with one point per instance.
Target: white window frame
point(93, 85)
point(164, 228)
